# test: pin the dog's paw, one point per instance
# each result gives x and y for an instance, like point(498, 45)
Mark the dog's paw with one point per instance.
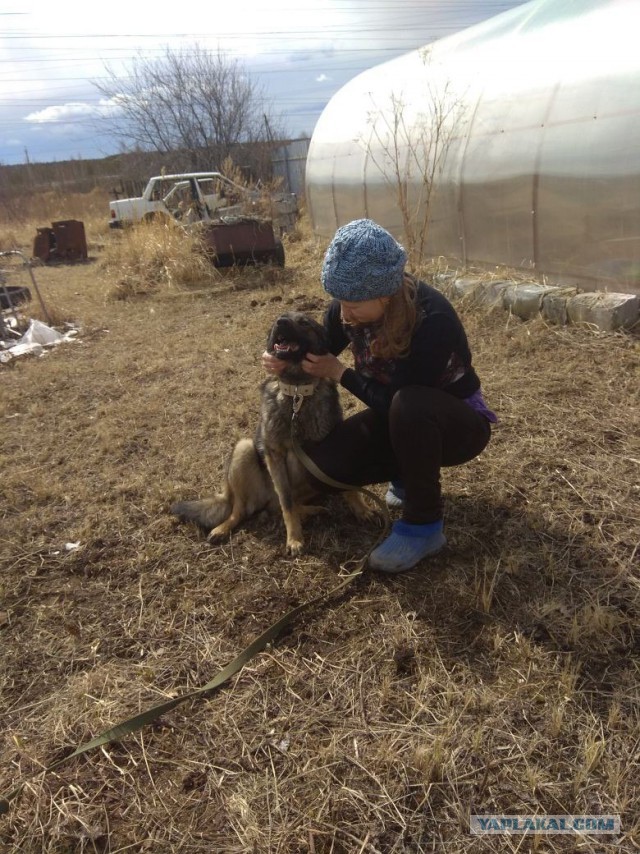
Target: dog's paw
point(369, 514)
point(360, 509)
point(215, 535)
point(295, 548)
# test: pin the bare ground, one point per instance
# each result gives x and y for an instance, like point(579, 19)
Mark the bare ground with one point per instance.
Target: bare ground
point(500, 677)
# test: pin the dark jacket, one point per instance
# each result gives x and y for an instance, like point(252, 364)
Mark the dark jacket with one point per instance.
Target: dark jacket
point(439, 354)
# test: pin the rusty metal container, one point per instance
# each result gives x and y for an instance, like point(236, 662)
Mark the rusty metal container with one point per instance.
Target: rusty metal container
point(64, 241)
point(245, 241)
point(43, 243)
point(71, 241)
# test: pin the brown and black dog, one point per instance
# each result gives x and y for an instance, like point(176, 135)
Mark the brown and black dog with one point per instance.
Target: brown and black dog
point(264, 472)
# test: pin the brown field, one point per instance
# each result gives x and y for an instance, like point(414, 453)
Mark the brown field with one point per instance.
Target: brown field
point(499, 677)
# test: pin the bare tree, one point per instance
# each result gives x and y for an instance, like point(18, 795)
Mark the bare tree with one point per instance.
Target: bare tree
point(193, 101)
point(410, 147)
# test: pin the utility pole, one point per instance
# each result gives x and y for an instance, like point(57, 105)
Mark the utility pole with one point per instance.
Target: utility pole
point(268, 127)
point(27, 162)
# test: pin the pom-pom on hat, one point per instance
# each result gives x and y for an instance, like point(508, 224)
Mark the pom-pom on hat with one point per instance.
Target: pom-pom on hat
point(363, 262)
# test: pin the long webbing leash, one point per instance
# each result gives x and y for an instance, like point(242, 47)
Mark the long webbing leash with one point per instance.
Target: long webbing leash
point(131, 725)
point(138, 721)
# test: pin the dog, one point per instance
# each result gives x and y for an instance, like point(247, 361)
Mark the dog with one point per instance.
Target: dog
point(265, 473)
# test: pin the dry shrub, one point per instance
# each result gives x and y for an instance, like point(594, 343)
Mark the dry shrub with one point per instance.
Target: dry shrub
point(260, 203)
point(156, 255)
point(9, 240)
point(304, 250)
point(15, 235)
point(234, 173)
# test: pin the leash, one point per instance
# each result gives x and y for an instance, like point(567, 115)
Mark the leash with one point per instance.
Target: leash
point(131, 725)
point(135, 723)
point(316, 471)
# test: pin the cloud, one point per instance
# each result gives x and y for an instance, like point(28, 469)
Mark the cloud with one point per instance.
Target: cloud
point(72, 112)
point(322, 78)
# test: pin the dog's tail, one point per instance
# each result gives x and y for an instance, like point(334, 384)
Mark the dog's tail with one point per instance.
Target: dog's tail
point(208, 513)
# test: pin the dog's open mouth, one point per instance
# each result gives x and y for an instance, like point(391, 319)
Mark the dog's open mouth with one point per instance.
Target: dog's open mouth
point(283, 347)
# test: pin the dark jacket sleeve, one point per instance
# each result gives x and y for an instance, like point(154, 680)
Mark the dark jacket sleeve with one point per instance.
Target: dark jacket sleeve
point(438, 354)
point(336, 338)
point(376, 395)
point(434, 342)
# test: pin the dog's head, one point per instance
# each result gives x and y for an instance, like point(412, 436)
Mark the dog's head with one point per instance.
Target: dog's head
point(293, 335)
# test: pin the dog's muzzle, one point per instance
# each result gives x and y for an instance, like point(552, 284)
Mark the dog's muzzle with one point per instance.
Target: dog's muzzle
point(286, 344)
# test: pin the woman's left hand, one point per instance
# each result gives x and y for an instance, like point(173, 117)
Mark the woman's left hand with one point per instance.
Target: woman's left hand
point(327, 366)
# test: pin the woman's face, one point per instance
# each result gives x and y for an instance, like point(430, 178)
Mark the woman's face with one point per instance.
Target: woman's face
point(364, 311)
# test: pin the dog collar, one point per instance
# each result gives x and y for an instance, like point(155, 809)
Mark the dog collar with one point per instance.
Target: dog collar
point(292, 390)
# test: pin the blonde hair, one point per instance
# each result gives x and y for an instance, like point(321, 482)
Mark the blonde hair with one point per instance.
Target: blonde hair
point(393, 341)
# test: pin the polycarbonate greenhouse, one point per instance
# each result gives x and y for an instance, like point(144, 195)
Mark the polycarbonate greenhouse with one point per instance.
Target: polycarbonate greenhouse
point(516, 141)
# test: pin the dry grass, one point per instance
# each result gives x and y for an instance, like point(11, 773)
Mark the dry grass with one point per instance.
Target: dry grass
point(155, 256)
point(20, 218)
point(501, 676)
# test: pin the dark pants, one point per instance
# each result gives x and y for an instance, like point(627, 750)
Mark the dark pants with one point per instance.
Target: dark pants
point(425, 429)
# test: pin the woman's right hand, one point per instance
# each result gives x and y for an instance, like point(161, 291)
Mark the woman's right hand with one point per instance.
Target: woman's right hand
point(272, 364)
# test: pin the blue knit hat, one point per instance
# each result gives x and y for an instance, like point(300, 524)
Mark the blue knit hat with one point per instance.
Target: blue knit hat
point(363, 262)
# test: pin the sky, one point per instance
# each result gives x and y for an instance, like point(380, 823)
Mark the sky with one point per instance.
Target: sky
point(301, 52)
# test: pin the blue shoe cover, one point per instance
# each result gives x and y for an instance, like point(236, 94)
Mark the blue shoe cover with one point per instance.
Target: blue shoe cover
point(406, 546)
point(395, 495)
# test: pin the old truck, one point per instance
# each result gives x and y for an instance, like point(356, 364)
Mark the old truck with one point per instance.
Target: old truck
point(190, 197)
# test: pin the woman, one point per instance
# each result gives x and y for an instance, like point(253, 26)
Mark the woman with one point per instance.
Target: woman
point(412, 368)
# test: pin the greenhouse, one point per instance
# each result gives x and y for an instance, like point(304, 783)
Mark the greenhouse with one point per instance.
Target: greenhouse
point(514, 142)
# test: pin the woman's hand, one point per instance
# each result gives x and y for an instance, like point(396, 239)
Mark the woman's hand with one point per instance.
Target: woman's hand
point(272, 364)
point(327, 366)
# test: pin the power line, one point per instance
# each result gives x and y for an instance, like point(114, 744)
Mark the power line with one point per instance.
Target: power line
point(348, 29)
point(272, 51)
point(373, 50)
point(411, 19)
point(422, 8)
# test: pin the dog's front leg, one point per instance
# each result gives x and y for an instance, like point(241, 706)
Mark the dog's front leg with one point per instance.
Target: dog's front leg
point(277, 465)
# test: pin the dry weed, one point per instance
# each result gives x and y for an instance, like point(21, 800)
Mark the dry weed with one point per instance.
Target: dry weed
point(156, 255)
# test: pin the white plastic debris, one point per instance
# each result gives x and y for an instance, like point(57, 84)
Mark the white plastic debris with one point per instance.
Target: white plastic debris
point(71, 547)
point(19, 349)
point(39, 333)
point(35, 339)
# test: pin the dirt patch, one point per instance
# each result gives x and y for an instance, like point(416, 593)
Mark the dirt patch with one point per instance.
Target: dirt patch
point(499, 677)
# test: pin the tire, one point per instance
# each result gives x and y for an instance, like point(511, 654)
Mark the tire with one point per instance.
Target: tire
point(11, 296)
